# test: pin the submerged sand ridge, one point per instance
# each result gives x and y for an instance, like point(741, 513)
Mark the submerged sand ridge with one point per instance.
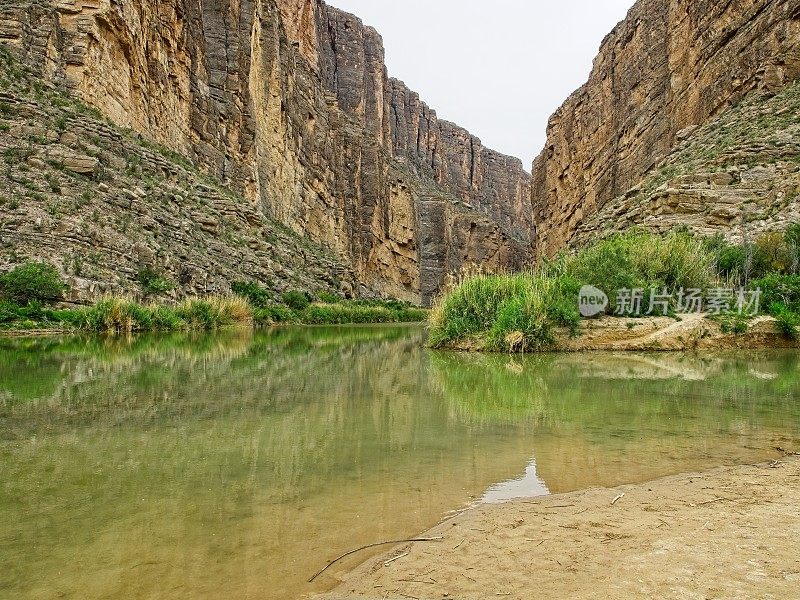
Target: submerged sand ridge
point(726, 533)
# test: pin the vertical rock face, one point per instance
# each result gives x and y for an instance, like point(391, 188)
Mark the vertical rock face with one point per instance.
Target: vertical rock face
point(289, 103)
point(667, 68)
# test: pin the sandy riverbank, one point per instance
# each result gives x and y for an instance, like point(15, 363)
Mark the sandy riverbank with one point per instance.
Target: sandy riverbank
point(727, 533)
point(687, 332)
point(659, 334)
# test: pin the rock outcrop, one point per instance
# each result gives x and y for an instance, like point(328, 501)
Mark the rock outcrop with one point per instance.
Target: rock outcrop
point(668, 68)
point(289, 104)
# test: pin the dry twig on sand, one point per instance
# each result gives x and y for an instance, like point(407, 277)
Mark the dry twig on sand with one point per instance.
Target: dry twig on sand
point(346, 554)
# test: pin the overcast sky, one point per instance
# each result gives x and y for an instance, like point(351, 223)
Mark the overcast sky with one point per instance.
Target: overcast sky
point(500, 68)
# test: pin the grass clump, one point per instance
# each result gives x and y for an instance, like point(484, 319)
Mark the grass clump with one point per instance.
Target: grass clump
point(511, 312)
point(521, 313)
point(122, 315)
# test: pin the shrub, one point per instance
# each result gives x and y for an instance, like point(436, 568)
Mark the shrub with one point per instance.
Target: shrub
point(259, 296)
point(641, 260)
point(342, 314)
point(780, 290)
point(733, 323)
point(296, 300)
point(773, 254)
point(154, 283)
point(788, 321)
point(732, 262)
point(33, 282)
point(273, 314)
point(9, 312)
point(793, 243)
point(411, 315)
point(328, 298)
point(391, 303)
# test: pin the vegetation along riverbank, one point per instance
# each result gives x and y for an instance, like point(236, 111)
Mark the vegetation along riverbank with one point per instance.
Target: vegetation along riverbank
point(539, 310)
point(30, 293)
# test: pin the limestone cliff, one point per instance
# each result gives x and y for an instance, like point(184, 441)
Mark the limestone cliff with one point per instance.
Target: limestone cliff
point(290, 105)
point(669, 67)
point(107, 207)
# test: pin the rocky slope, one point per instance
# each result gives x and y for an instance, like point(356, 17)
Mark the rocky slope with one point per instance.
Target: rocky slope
point(289, 105)
point(669, 67)
point(738, 175)
point(106, 207)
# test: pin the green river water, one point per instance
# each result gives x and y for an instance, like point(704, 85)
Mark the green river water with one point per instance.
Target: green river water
point(236, 465)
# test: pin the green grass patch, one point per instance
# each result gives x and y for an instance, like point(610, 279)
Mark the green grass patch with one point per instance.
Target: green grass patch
point(343, 312)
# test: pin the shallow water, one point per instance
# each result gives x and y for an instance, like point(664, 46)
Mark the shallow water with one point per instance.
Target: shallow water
point(237, 465)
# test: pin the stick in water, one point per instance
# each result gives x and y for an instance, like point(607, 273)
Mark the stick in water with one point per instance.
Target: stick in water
point(346, 554)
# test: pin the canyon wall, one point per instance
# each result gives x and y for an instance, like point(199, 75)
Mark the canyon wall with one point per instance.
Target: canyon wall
point(289, 104)
point(669, 67)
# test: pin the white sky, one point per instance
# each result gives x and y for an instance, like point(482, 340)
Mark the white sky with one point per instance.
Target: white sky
point(499, 68)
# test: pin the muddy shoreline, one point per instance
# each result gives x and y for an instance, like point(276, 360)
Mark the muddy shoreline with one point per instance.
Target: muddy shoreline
point(726, 532)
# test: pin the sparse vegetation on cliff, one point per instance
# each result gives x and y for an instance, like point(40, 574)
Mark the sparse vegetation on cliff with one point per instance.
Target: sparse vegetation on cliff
point(123, 215)
point(522, 312)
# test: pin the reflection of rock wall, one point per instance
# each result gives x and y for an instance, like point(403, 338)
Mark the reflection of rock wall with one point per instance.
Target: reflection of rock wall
point(668, 67)
point(239, 454)
point(290, 105)
point(608, 419)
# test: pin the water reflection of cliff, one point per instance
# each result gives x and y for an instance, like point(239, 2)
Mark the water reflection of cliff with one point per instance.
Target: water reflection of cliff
point(259, 455)
point(240, 462)
point(606, 419)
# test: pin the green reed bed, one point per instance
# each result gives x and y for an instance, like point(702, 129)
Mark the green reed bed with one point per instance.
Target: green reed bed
point(522, 312)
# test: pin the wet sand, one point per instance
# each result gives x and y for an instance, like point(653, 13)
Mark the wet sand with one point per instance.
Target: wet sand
point(731, 532)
